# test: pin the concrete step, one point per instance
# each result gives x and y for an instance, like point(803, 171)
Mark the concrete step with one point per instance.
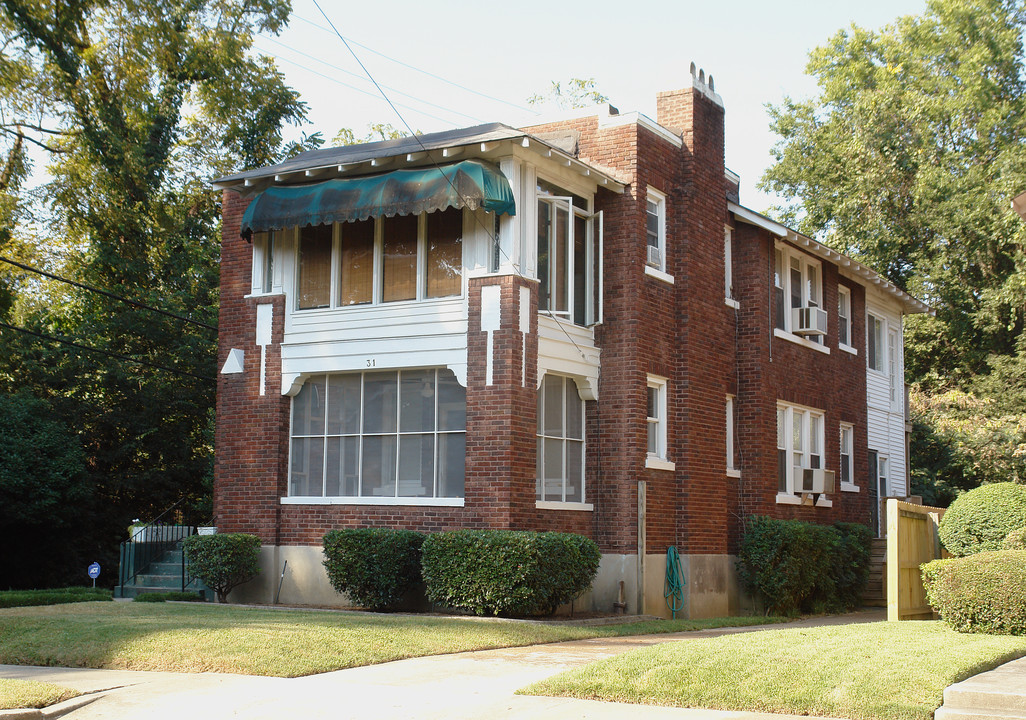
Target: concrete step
point(946, 713)
point(992, 698)
point(168, 582)
point(999, 694)
point(166, 568)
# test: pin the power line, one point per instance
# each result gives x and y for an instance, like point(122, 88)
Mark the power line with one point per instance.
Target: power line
point(414, 67)
point(105, 352)
point(351, 73)
point(136, 303)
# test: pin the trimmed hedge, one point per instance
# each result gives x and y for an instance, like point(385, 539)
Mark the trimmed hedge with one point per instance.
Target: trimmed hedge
point(57, 596)
point(223, 561)
point(373, 566)
point(506, 572)
point(1015, 540)
point(981, 593)
point(174, 595)
point(797, 566)
point(980, 520)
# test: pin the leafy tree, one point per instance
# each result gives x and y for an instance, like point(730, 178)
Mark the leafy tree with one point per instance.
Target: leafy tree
point(574, 93)
point(137, 103)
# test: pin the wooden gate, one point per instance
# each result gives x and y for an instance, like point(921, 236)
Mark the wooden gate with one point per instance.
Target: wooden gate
point(911, 541)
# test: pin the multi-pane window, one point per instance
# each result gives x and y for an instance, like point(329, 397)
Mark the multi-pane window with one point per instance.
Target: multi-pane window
point(656, 417)
point(655, 229)
point(728, 269)
point(874, 342)
point(883, 472)
point(892, 364)
point(395, 434)
point(560, 470)
point(847, 444)
point(799, 443)
point(381, 260)
point(843, 316)
point(731, 465)
point(568, 262)
point(797, 284)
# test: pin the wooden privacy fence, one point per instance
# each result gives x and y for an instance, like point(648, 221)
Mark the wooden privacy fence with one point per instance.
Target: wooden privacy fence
point(911, 541)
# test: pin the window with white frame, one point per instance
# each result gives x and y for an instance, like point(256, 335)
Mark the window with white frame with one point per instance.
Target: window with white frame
point(892, 364)
point(847, 458)
point(656, 417)
point(843, 316)
point(882, 473)
point(875, 342)
point(797, 284)
point(728, 264)
point(731, 464)
point(799, 444)
point(568, 261)
point(560, 469)
point(380, 260)
point(655, 229)
point(263, 262)
point(393, 434)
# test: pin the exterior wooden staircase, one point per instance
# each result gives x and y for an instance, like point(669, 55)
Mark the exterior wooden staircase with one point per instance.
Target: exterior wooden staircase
point(876, 590)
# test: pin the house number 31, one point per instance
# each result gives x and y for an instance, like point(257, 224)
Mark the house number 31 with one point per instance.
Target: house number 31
point(371, 363)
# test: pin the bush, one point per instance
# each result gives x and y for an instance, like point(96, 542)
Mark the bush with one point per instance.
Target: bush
point(373, 566)
point(58, 596)
point(1015, 540)
point(798, 566)
point(979, 520)
point(981, 593)
point(175, 595)
point(505, 572)
point(223, 561)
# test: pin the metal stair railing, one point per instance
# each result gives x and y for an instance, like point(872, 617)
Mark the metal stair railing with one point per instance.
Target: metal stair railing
point(158, 538)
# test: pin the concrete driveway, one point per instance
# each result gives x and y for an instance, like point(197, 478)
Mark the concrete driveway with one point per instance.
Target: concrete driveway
point(450, 687)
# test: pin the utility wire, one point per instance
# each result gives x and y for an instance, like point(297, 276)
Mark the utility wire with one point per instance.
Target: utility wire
point(90, 288)
point(414, 67)
point(434, 162)
point(105, 352)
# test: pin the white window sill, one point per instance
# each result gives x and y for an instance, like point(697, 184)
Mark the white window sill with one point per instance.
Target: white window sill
point(262, 294)
point(732, 303)
point(798, 340)
point(658, 274)
point(848, 348)
point(654, 463)
point(554, 505)
point(824, 501)
point(733, 473)
point(788, 499)
point(849, 487)
point(423, 502)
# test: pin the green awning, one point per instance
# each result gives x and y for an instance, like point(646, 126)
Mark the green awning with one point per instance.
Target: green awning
point(471, 183)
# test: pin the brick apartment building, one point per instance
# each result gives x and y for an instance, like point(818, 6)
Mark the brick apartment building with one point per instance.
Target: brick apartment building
point(572, 326)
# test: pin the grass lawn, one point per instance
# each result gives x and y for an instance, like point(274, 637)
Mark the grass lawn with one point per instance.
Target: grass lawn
point(256, 641)
point(888, 671)
point(29, 694)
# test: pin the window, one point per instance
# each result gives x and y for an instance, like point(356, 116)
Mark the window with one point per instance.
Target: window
point(655, 229)
point(797, 284)
point(882, 474)
point(381, 260)
point(844, 316)
point(847, 444)
point(398, 434)
point(892, 364)
point(656, 417)
point(874, 342)
point(732, 468)
point(263, 262)
point(560, 469)
point(799, 444)
point(568, 264)
point(728, 269)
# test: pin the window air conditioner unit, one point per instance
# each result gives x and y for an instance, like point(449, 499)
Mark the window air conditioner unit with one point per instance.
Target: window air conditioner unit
point(814, 480)
point(808, 321)
point(655, 256)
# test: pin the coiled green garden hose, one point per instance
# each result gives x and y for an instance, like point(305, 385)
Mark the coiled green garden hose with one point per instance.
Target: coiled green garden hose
point(673, 586)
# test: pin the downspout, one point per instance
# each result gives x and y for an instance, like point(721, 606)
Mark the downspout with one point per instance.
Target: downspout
point(642, 489)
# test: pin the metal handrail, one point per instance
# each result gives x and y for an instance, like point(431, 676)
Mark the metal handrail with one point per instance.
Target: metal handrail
point(138, 556)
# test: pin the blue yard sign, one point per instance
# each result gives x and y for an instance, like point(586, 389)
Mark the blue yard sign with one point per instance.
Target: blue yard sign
point(94, 572)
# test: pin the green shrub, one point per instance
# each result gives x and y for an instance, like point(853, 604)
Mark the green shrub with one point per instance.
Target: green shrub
point(173, 595)
point(979, 520)
point(1015, 540)
point(57, 596)
point(798, 566)
point(223, 561)
point(505, 572)
point(373, 566)
point(981, 593)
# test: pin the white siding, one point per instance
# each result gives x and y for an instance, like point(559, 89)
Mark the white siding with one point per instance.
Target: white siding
point(886, 419)
point(577, 358)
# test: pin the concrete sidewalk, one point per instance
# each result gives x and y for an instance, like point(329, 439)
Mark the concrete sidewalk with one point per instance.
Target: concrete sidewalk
point(466, 685)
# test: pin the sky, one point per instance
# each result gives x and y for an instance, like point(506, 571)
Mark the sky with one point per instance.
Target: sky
point(455, 64)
